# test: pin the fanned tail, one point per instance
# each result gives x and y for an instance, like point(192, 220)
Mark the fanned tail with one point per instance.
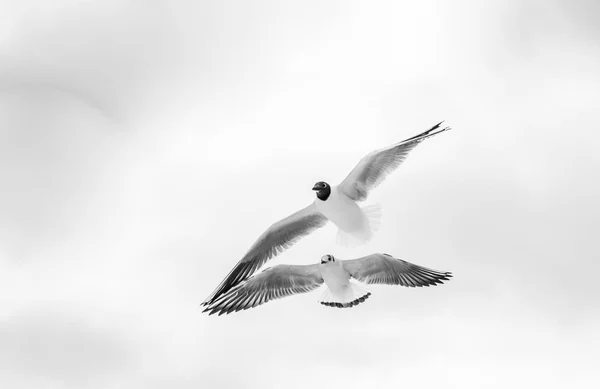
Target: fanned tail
point(350, 296)
point(373, 214)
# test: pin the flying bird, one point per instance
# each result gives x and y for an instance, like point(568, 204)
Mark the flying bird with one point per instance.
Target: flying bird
point(341, 290)
point(338, 204)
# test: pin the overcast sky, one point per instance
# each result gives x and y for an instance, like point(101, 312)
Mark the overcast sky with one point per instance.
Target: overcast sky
point(144, 146)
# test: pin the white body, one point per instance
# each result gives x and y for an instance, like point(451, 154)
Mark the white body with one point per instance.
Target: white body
point(356, 225)
point(339, 288)
point(334, 275)
point(342, 211)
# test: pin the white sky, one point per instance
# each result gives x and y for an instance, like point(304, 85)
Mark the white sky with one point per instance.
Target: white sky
point(144, 146)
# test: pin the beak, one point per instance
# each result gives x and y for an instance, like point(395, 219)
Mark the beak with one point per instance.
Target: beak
point(322, 262)
point(316, 187)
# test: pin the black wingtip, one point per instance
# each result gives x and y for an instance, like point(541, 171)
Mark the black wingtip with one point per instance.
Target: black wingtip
point(207, 309)
point(427, 134)
point(212, 310)
point(443, 276)
point(237, 275)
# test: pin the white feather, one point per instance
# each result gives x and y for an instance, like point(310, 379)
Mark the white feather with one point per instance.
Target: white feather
point(356, 225)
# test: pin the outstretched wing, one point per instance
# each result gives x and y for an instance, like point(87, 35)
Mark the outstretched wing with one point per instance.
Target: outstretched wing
point(385, 269)
point(279, 237)
point(374, 167)
point(273, 283)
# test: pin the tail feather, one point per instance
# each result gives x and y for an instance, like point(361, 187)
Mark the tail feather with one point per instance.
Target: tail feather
point(373, 214)
point(352, 295)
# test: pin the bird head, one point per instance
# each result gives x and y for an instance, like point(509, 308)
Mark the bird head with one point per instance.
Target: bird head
point(323, 190)
point(327, 259)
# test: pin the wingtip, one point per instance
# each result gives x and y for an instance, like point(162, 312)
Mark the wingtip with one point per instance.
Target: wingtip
point(222, 312)
point(426, 134)
point(211, 311)
point(447, 128)
point(445, 276)
point(237, 275)
point(207, 309)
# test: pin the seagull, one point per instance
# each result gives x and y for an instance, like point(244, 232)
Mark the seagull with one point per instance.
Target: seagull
point(341, 292)
point(338, 204)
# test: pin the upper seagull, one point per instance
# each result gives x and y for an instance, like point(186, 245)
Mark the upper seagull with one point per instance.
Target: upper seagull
point(356, 225)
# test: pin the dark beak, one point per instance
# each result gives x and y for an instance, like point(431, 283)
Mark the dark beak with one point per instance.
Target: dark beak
point(322, 262)
point(316, 187)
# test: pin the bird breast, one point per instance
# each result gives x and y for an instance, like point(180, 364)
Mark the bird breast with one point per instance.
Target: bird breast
point(342, 211)
point(334, 275)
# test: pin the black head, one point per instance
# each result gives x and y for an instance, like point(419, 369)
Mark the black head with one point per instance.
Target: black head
point(323, 190)
point(327, 258)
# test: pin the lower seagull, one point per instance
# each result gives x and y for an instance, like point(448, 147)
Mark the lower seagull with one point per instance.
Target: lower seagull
point(341, 291)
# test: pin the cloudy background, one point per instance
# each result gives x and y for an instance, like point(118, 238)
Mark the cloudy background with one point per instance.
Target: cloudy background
point(145, 145)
